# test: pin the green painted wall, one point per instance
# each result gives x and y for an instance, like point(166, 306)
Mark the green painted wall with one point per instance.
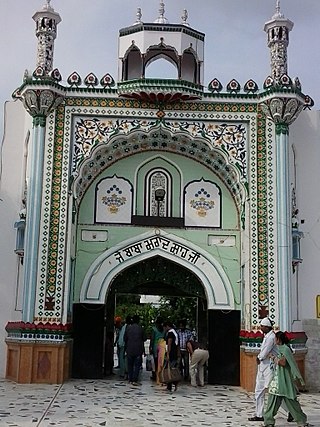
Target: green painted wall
point(183, 170)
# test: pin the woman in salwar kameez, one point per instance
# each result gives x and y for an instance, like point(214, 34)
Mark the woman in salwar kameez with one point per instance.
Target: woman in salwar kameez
point(282, 387)
point(161, 349)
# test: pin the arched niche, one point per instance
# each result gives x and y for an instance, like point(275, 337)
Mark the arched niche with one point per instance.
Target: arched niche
point(132, 64)
point(189, 67)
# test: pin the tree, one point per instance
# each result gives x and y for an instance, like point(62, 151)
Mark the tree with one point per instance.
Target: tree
point(178, 308)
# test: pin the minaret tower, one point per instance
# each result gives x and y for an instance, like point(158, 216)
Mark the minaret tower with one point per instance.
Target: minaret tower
point(40, 95)
point(282, 102)
point(46, 31)
point(278, 40)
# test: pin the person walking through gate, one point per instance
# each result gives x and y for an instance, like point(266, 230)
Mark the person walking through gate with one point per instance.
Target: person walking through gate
point(157, 334)
point(199, 356)
point(123, 370)
point(264, 368)
point(134, 338)
point(173, 351)
point(184, 335)
point(282, 386)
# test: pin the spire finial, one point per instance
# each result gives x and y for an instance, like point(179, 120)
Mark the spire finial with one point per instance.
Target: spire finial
point(48, 6)
point(139, 15)
point(161, 10)
point(278, 13)
point(162, 19)
point(184, 17)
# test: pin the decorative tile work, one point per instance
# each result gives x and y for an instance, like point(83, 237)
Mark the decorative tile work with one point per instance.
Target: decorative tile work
point(202, 204)
point(262, 217)
point(51, 279)
point(271, 226)
point(263, 253)
point(94, 131)
point(253, 274)
point(44, 230)
point(228, 141)
point(180, 131)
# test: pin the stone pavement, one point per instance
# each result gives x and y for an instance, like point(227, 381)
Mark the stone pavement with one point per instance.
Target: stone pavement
point(115, 403)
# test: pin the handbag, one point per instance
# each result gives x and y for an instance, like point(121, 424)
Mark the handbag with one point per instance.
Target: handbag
point(169, 374)
point(149, 363)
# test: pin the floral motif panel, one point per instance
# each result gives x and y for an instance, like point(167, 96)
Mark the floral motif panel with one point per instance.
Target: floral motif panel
point(230, 138)
point(113, 201)
point(202, 204)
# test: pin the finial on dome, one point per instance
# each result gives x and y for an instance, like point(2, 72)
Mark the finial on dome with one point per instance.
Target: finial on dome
point(48, 6)
point(278, 13)
point(184, 18)
point(139, 16)
point(162, 19)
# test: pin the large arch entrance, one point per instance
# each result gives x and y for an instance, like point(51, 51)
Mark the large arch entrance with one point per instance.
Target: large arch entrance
point(97, 282)
point(156, 263)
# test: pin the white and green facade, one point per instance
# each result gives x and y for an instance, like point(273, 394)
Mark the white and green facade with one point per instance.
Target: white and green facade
point(154, 186)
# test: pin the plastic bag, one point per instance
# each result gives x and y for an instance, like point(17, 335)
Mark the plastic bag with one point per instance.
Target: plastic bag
point(150, 363)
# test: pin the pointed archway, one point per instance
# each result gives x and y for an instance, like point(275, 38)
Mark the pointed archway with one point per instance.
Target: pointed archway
point(216, 284)
point(158, 276)
point(138, 265)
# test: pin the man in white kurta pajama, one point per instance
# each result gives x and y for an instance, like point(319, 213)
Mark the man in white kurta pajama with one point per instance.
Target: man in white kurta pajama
point(264, 371)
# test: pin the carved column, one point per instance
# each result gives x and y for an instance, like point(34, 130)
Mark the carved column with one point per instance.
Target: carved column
point(39, 103)
point(283, 111)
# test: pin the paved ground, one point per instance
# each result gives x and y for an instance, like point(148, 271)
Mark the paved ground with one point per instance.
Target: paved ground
point(115, 403)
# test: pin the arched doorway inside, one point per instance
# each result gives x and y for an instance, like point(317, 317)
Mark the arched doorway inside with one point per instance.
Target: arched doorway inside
point(157, 275)
point(161, 277)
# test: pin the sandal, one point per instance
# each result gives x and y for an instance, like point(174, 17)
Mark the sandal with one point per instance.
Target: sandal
point(255, 418)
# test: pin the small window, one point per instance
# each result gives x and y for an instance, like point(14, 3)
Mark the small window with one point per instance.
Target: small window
point(20, 227)
point(296, 237)
point(158, 182)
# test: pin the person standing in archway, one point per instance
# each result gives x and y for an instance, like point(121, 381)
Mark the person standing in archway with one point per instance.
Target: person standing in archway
point(123, 371)
point(134, 338)
point(173, 351)
point(157, 334)
point(185, 335)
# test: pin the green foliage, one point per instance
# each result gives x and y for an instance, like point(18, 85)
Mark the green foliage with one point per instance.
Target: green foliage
point(179, 308)
point(129, 305)
point(170, 308)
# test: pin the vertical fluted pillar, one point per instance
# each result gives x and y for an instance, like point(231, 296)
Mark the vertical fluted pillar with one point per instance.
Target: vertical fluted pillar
point(284, 232)
point(282, 103)
point(283, 111)
point(33, 218)
point(39, 104)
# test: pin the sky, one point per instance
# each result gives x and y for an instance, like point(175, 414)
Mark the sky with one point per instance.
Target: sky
point(235, 44)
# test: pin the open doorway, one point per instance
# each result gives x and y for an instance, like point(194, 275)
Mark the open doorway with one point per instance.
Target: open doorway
point(94, 324)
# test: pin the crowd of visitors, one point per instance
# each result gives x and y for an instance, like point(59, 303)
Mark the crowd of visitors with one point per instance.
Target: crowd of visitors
point(176, 355)
point(172, 349)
